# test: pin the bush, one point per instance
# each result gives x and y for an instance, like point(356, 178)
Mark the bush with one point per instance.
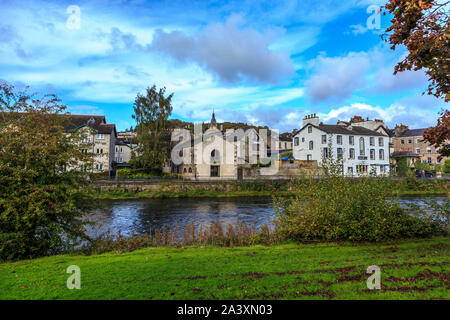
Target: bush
point(446, 168)
point(124, 173)
point(339, 208)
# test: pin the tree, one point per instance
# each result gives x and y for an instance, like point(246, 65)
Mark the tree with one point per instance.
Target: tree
point(40, 199)
point(439, 136)
point(423, 27)
point(153, 136)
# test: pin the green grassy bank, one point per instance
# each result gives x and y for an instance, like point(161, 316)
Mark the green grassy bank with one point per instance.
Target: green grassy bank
point(412, 269)
point(409, 187)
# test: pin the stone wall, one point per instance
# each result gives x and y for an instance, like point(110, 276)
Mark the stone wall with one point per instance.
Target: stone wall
point(183, 186)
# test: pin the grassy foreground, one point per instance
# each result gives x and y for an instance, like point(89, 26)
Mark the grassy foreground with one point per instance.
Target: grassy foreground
point(413, 269)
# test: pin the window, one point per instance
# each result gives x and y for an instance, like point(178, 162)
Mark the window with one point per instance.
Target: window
point(311, 145)
point(99, 166)
point(402, 141)
point(372, 154)
point(362, 147)
point(121, 150)
point(418, 141)
point(85, 139)
point(214, 171)
point(215, 156)
point(350, 171)
point(380, 142)
point(429, 160)
point(381, 154)
point(100, 136)
point(409, 141)
point(352, 153)
point(325, 153)
point(418, 150)
point(361, 169)
point(324, 138)
point(184, 170)
point(190, 170)
point(339, 139)
point(296, 141)
point(351, 140)
point(310, 129)
point(340, 153)
point(99, 150)
point(117, 150)
point(309, 157)
point(428, 149)
point(372, 141)
point(303, 139)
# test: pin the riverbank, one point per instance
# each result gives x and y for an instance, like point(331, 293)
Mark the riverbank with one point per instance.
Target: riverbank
point(410, 269)
point(115, 190)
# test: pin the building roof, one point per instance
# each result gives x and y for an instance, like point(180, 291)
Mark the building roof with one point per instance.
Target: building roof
point(338, 129)
point(410, 154)
point(98, 123)
point(413, 133)
point(122, 142)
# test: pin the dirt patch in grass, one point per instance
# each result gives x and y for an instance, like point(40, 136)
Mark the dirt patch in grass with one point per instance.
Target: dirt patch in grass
point(424, 275)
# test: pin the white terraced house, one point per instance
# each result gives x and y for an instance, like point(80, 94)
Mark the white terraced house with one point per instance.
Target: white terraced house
point(363, 145)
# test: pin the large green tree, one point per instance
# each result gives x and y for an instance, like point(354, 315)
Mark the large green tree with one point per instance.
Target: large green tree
point(151, 112)
point(40, 200)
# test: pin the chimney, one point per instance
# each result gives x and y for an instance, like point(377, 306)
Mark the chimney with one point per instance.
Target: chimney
point(400, 129)
point(311, 119)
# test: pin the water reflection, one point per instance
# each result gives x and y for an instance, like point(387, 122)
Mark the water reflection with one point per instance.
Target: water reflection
point(142, 216)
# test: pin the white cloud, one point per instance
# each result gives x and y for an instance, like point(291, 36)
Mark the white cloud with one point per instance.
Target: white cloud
point(335, 78)
point(231, 53)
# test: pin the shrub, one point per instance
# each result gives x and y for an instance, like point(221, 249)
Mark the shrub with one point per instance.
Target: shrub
point(446, 168)
point(339, 208)
point(124, 173)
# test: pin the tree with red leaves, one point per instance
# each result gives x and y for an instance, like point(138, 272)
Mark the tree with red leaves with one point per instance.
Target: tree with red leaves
point(422, 26)
point(439, 136)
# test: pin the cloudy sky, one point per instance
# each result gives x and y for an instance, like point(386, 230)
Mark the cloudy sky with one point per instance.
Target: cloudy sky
point(260, 62)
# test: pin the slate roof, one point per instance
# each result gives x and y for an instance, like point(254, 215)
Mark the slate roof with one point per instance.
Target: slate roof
point(338, 129)
point(413, 133)
point(98, 123)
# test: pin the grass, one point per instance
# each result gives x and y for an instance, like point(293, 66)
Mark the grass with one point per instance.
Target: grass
point(410, 269)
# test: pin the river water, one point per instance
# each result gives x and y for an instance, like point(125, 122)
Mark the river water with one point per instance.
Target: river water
point(142, 216)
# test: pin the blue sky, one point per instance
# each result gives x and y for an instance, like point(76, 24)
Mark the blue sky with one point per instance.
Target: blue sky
point(260, 62)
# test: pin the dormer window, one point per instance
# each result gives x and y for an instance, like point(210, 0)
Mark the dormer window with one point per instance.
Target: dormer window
point(100, 136)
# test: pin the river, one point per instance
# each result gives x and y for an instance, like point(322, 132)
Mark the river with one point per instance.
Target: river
point(141, 216)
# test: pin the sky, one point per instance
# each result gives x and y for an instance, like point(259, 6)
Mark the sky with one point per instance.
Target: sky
point(259, 62)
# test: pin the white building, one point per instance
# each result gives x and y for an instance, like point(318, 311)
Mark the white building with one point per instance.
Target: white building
point(363, 150)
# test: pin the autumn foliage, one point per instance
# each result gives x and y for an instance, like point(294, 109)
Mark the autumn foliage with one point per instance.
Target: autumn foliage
point(422, 27)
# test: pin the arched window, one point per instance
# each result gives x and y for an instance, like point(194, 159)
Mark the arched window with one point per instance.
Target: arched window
point(215, 156)
point(362, 146)
point(190, 170)
point(296, 141)
point(184, 170)
point(311, 145)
